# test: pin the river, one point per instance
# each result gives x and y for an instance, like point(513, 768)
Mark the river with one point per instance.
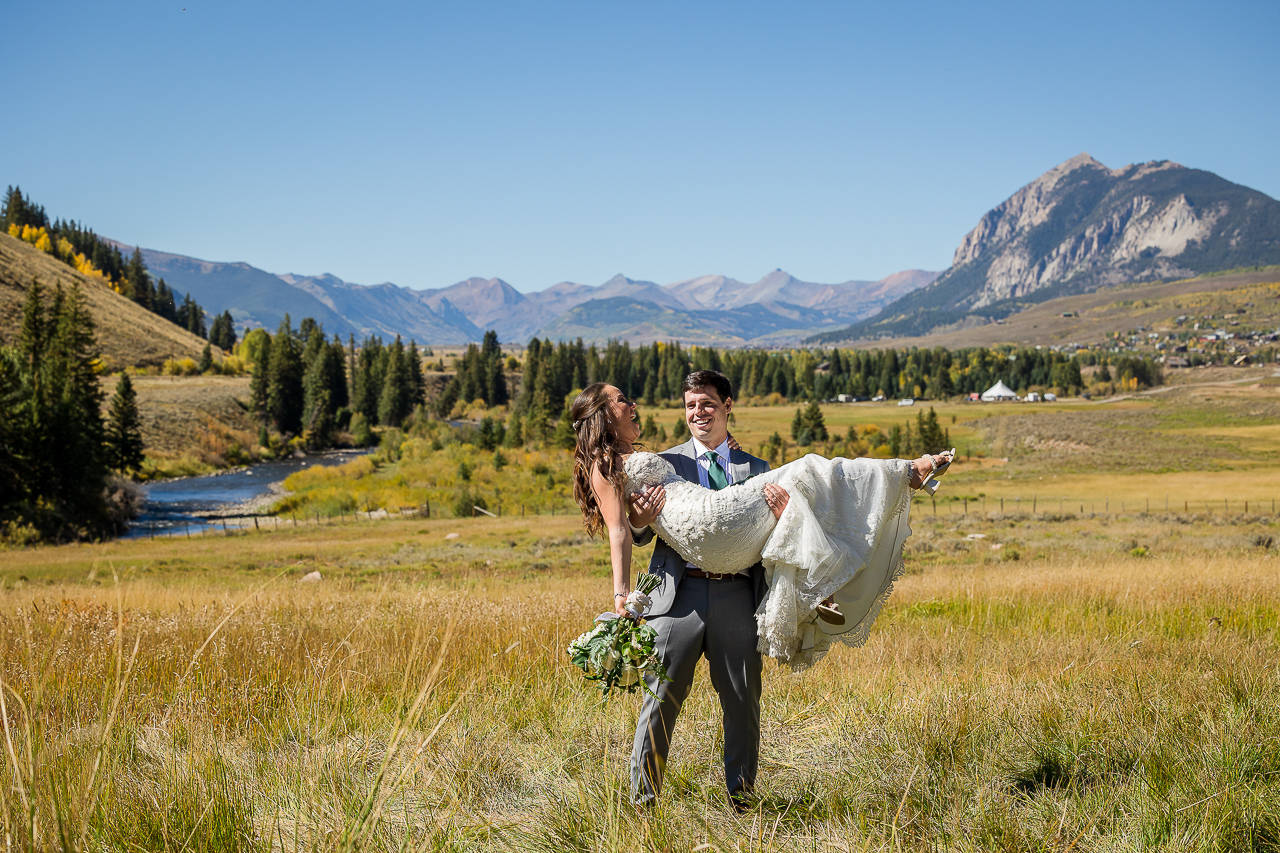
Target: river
point(186, 505)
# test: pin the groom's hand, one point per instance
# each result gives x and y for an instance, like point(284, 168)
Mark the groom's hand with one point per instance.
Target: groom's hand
point(646, 505)
point(777, 498)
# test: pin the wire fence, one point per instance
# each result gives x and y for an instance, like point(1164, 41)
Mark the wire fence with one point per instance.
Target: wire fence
point(1048, 508)
point(1040, 505)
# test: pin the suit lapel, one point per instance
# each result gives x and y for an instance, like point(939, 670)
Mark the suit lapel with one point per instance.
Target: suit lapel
point(740, 462)
point(689, 459)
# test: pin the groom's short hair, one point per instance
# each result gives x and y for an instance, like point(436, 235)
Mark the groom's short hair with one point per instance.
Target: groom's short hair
point(708, 379)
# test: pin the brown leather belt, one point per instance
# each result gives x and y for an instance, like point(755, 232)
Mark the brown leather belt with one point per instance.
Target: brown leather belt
point(711, 576)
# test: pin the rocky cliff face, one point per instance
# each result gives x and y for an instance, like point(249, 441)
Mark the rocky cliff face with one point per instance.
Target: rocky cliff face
point(1080, 226)
point(1082, 222)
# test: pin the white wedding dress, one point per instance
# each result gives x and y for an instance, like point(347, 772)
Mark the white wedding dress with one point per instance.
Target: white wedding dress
point(841, 535)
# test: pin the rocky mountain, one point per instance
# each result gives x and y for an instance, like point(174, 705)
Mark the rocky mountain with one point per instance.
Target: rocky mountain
point(1081, 226)
point(778, 308)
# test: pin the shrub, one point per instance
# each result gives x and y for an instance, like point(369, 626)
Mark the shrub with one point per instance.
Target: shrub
point(465, 501)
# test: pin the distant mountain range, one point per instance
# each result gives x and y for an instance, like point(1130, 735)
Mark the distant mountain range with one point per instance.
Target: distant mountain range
point(1077, 227)
point(778, 308)
point(1081, 226)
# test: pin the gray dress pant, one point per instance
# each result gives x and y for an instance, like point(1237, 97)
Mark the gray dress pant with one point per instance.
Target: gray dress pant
point(715, 618)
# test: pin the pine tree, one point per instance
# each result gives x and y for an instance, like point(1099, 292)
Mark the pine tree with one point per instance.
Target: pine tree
point(124, 429)
point(284, 381)
point(321, 384)
point(32, 334)
point(815, 423)
point(393, 404)
point(71, 424)
point(417, 385)
point(336, 376)
point(259, 381)
point(138, 282)
point(206, 358)
point(222, 333)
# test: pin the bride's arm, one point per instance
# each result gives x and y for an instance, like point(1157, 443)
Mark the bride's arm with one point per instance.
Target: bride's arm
point(614, 511)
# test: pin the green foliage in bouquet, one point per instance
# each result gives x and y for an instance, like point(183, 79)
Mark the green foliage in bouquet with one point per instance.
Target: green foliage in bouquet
point(619, 653)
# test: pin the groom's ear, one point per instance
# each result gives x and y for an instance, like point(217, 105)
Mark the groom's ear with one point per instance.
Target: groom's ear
point(728, 405)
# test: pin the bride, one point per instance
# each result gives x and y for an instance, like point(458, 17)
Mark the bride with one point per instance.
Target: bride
point(829, 532)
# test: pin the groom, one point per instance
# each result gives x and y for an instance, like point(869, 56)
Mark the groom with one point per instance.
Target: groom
point(696, 613)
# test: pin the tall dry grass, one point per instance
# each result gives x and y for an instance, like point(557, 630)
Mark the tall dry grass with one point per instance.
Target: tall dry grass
point(175, 696)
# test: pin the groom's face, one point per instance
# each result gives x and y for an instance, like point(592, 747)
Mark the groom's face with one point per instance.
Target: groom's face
point(707, 415)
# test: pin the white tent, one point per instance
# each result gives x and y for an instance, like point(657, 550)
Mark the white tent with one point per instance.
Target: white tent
point(999, 391)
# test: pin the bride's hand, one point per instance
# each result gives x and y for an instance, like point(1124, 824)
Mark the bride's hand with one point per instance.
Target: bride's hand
point(733, 443)
point(646, 506)
point(777, 498)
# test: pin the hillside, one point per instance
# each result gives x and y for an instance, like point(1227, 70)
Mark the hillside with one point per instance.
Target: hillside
point(127, 333)
point(1096, 316)
point(1081, 226)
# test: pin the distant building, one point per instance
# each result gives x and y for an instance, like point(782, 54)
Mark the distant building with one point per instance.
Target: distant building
point(998, 392)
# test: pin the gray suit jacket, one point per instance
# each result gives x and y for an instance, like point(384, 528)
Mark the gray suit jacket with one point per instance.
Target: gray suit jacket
point(666, 562)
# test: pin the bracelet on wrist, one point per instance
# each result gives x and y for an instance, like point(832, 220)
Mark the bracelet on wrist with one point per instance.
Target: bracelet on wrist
point(621, 594)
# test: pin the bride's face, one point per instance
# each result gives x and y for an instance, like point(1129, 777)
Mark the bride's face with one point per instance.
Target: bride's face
point(622, 415)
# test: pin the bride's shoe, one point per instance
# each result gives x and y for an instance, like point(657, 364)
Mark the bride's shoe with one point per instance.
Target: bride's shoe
point(829, 612)
point(931, 484)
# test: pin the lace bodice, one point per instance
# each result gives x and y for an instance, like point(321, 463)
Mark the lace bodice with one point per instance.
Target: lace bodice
point(720, 531)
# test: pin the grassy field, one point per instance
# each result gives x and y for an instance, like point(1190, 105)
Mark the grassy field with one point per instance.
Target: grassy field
point(1033, 684)
point(1069, 671)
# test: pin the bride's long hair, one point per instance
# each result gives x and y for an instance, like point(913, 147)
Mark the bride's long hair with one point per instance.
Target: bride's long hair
point(596, 447)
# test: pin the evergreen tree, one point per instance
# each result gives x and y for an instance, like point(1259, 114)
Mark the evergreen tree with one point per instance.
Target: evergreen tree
point(138, 282)
point(258, 382)
point(336, 375)
point(324, 376)
point(284, 381)
point(68, 422)
point(206, 358)
point(164, 305)
point(223, 331)
point(394, 403)
point(124, 429)
point(929, 432)
point(367, 379)
point(417, 385)
point(191, 317)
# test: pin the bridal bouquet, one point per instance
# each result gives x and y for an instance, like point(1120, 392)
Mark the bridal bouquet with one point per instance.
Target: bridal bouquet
point(619, 652)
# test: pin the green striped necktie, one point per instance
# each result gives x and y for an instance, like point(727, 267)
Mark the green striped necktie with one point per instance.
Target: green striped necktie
point(715, 473)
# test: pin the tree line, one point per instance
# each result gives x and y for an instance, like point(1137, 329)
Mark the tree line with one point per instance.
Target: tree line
point(305, 385)
point(653, 372)
point(56, 449)
point(79, 247)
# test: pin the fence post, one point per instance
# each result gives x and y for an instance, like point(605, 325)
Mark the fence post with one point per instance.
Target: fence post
point(1033, 504)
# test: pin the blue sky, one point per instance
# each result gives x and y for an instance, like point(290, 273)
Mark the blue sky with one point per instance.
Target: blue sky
point(423, 143)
